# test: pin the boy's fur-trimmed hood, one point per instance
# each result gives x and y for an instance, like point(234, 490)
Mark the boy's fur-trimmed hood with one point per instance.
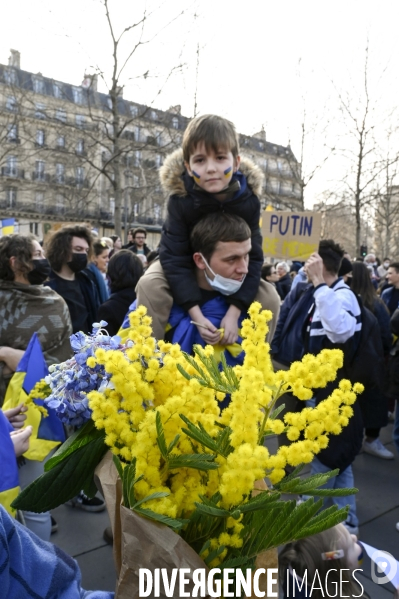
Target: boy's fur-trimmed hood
point(172, 169)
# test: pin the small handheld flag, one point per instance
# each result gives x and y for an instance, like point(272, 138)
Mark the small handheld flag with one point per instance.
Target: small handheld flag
point(48, 431)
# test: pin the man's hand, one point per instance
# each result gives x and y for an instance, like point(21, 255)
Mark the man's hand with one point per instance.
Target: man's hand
point(314, 269)
point(230, 325)
point(209, 333)
point(16, 416)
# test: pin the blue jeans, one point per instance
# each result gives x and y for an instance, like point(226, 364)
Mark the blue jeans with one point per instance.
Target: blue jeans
point(396, 427)
point(345, 479)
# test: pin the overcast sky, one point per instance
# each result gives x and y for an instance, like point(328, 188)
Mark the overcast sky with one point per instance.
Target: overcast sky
point(260, 61)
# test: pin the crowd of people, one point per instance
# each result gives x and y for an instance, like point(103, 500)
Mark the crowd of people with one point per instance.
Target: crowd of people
point(197, 286)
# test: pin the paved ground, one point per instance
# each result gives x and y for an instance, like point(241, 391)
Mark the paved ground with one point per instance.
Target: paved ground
point(80, 533)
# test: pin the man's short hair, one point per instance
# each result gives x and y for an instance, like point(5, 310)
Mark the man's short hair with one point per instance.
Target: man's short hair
point(19, 246)
point(395, 265)
point(59, 245)
point(283, 265)
point(216, 132)
point(216, 227)
point(138, 230)
point(331, 253)
point(369, 256)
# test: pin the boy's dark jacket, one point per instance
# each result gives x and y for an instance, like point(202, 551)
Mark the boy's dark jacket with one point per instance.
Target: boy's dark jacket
point(186, 206)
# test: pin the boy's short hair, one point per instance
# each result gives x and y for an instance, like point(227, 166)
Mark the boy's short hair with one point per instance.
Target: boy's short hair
point(395, 266)
point(216, 227)
point(331, 253)
point(216, 132)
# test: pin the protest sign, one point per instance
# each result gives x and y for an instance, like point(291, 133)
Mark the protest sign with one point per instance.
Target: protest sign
point(290, 235)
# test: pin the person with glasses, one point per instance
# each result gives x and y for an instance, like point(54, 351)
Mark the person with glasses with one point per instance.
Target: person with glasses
point(137, 242)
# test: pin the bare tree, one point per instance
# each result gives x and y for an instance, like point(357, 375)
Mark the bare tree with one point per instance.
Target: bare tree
point(315, 148)
point(338, 221)
point(364, 127)
point(387, 207)
point(118, 136)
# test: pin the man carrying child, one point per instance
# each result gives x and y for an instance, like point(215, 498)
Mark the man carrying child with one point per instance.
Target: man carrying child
point(206, 177)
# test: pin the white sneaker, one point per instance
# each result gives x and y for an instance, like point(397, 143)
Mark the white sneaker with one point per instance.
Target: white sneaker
point(377, 448)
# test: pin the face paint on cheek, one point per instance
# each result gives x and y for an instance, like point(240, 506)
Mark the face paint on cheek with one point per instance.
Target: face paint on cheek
point(196, 177)
point(227, 171)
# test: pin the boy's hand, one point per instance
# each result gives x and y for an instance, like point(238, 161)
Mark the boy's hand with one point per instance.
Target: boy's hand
point(230, 325)
point(16, 416)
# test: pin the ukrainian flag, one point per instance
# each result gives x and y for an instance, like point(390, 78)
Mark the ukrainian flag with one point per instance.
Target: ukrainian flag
point(7, 226)
point(9, 482)
point(48, 432)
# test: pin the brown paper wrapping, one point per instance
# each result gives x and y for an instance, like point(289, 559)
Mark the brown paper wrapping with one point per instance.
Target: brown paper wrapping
point(141, 543)
point(138, 542)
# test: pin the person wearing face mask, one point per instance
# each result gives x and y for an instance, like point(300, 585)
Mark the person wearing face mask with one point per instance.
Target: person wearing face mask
point(27, 307)
point(371, 262)
point(68, 251)
point(221, 244)
point(383, 268)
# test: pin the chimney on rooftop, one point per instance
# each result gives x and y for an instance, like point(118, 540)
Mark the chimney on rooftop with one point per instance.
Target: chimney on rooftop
point(261, 134)
point(14, 59)
point(175, 109)
point(90, 82)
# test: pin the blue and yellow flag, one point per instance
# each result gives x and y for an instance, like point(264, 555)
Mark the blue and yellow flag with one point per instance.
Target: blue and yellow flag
point(9, 482)
point(7, 226)
point(48, 432)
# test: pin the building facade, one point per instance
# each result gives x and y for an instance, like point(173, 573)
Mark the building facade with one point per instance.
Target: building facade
point(65, 149)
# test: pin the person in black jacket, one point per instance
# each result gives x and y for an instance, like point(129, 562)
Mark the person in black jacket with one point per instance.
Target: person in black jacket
point(284, 283)
point(373, 402)
point(68, 251)
point(206, 176)
point(136, 241)
point(124, 271)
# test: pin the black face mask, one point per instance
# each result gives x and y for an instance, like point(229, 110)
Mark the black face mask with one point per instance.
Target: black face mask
point(78, 262)
point(40, 272)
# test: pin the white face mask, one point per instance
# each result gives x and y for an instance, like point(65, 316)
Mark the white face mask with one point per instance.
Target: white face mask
point(386, 264)
point(222, 284)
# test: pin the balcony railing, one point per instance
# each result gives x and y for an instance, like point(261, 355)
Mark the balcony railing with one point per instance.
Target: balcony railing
point(13, 172)
point(39, 176)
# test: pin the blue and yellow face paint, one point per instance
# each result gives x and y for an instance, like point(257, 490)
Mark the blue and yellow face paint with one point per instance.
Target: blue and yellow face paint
point(227, 172)
point(196, 177)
